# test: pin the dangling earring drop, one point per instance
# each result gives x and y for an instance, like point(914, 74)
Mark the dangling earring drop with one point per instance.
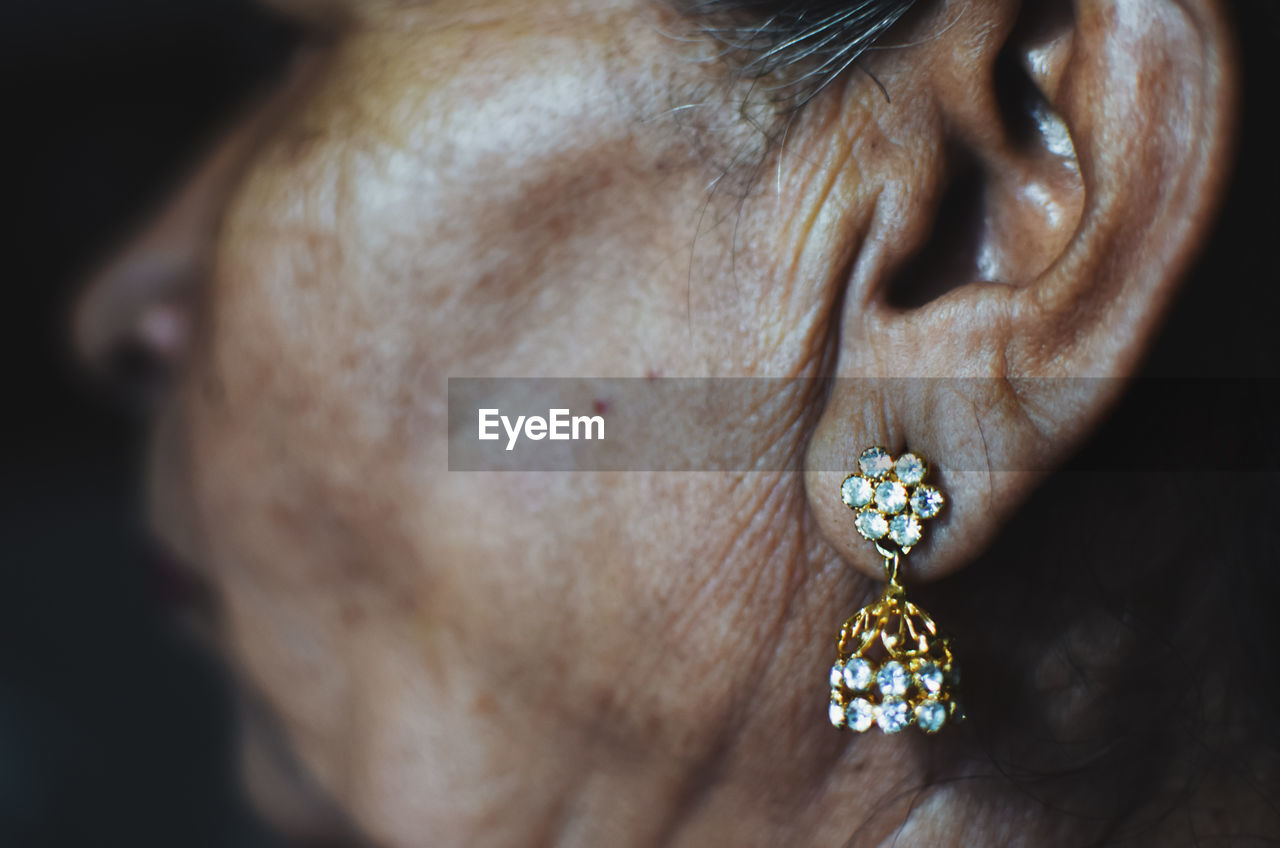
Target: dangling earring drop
point(893, 668)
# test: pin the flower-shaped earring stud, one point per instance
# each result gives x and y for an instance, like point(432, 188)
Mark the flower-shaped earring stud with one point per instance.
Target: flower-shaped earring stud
point(893, 668)
point(890, 498)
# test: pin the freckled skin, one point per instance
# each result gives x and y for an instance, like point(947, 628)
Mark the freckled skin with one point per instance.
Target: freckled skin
point(508, 189)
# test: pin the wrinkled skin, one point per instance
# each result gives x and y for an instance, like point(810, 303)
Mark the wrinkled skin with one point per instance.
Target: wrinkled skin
point(509, 189)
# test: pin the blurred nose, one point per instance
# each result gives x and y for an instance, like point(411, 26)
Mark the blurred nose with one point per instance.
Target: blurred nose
point(133, 321)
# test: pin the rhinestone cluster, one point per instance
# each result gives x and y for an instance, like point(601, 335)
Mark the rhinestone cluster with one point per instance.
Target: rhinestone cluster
point(890, 498)
point(893, 695)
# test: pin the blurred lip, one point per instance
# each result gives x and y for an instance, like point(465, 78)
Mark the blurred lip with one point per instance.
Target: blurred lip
point(173, 583)
point(185, 596)
point(275, 781)
point(173, 569)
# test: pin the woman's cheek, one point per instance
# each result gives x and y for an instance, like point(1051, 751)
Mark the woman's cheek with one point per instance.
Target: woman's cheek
point(364, 261)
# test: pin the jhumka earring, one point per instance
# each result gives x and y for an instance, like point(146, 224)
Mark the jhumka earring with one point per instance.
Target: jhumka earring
point(894, 669)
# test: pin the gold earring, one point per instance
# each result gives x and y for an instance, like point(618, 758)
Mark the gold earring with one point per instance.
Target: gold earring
point(894, 668)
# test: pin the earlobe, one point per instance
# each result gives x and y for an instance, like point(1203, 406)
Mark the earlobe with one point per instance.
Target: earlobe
point(1084, 171)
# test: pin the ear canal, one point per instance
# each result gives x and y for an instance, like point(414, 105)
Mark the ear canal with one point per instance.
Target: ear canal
point(1014, 194)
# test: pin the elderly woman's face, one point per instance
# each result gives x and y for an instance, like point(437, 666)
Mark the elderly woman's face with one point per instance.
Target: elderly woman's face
point(553, 188)
point(490, 189)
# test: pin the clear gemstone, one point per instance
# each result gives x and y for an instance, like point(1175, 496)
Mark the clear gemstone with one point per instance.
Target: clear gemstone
point(927, 502)
point(892, 715)
point(930, 716)
point(837, 674)
point(905, 530)
point(860, 714)
point(872, 524)
point(857, 674)
point(910, 469)
point(929, 676)
point(893, 678)
point(875, 463)
point(855, 491)
point(835, 712)
point(891, 497)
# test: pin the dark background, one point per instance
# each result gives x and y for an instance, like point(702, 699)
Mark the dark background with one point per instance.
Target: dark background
point(113, 729)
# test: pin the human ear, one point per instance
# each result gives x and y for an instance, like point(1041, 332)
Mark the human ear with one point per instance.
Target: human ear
point(1050, 171)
